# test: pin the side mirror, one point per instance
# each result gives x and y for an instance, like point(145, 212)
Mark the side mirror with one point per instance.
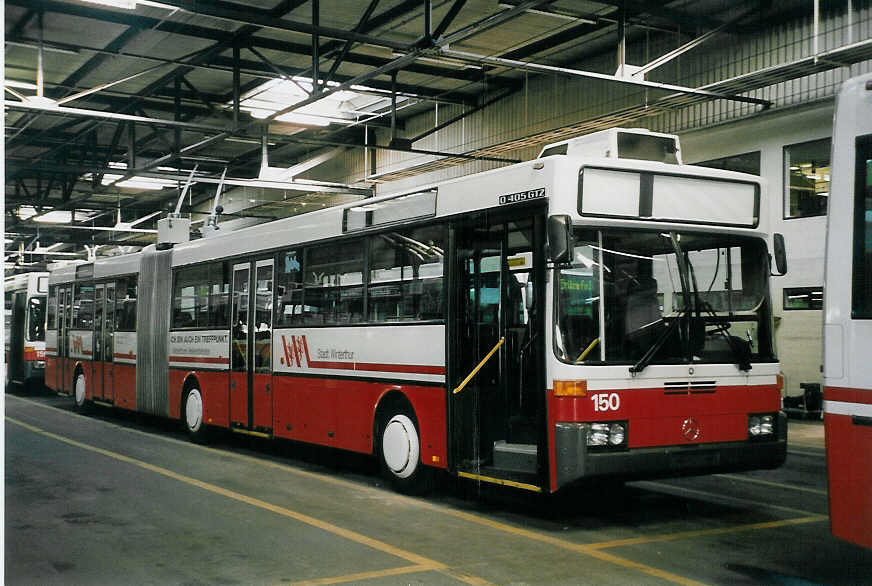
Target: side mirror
point(780, 253)
point(528, 295)
point(560, 239)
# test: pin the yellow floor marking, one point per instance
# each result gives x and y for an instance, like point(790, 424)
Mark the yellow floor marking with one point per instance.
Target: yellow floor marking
point(575, 547)
point(775, 484)
point(364, 576)
point(594, 551)
point(707, 532)
point(301, 517)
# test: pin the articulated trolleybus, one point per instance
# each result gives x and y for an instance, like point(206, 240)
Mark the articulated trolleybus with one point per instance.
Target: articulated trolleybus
point(848, 317)
point(600, 312)
point(25, 302)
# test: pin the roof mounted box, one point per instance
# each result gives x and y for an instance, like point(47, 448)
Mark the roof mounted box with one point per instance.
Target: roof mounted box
point(173, 230)
point(620, 143)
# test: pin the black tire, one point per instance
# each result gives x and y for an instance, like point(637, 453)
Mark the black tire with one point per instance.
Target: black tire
point(192, 416)
point(398, 448)
point(81, 403)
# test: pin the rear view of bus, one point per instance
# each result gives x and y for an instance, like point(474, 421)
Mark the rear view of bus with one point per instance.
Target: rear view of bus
point(25, 303)
point(848, 317)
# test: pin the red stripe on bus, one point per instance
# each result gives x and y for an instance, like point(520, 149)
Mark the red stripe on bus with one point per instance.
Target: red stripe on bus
point(199, 359)
point(129, 356)
point(51, 349)
point(409, 368)
point(848, 395)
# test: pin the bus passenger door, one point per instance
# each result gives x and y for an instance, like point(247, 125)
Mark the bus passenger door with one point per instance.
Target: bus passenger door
point(109, 344)
point(66, 370)
point(251, 354)
point(498, 416)
point(18, 325)
point(97, 362)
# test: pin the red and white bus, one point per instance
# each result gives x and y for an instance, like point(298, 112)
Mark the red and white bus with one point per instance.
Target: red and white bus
point(600, 312)
point(848, 317)
point(25, 307)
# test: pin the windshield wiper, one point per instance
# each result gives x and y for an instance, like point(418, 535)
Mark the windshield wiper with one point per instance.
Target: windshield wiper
point(659, 342)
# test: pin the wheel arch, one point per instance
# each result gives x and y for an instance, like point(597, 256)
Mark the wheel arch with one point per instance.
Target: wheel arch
point(392, 398)
point(191, 381)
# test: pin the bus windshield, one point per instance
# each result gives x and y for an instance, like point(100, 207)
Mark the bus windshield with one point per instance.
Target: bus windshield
point(36, 319)
point(644, 297)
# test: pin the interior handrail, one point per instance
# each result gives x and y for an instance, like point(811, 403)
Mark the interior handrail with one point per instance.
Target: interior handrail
point(480, 364)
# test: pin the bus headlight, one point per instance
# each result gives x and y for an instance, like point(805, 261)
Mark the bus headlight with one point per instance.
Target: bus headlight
point(607, 434)
point(761, 425)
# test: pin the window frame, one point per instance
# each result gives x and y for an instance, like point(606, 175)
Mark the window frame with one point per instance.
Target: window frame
point(862, 153)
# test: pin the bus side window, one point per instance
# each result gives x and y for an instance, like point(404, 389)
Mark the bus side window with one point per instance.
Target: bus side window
point(405, 275)
point(334, 283)
point(289, 289)
point(125, 305)
point(52, 310)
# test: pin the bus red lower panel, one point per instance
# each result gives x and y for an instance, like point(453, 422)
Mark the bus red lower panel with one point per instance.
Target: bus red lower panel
point(124, 376)
point(213, 386)
point(51, 372)
point(849, 463)
point(661, 424)
point(656, 417)
point(341, 413)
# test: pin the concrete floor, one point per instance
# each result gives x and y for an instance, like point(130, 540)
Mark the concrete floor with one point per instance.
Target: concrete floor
point(117, 499)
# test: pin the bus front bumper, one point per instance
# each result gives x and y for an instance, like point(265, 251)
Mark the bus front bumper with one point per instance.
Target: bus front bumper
point(575, 462)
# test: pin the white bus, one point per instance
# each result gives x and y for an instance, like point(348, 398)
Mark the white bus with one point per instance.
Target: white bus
point(600, 312)
point(848, 317)
point(25, 307)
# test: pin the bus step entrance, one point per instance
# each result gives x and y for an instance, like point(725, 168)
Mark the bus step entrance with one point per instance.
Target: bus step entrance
point(515, 457)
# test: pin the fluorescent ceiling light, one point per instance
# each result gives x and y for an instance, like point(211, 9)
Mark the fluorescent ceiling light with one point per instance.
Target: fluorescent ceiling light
point(144, 183)
point(342, 107)
point(125, 4)
point(24, 85)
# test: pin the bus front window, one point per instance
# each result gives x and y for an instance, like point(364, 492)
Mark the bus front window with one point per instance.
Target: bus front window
point(647, 296)
point(36, 319)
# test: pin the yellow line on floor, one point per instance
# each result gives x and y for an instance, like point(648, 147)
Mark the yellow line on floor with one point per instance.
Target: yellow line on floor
point(774, 484)
point(301, 517)
point(364, 576)
point(575, 547)
point(706, 532)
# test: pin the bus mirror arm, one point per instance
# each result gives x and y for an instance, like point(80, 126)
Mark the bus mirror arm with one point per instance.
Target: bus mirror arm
point(780, 253)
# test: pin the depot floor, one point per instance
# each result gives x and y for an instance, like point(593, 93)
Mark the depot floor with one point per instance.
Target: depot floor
point(117, 499)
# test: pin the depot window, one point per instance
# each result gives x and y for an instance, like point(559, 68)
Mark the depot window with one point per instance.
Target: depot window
point(803, 298)
point(806, 179)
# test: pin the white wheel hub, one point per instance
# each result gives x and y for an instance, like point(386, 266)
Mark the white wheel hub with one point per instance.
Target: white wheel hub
point(194, 410)
point(400, 446)
point(79, 390)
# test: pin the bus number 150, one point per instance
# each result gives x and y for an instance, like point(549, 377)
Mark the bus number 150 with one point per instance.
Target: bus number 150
point(606, 402)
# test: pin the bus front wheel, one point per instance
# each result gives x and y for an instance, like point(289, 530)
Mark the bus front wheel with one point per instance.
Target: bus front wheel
point(399, 449)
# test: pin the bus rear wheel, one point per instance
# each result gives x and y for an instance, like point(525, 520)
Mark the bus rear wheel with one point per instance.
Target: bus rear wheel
point(79, 394)
point(192, 416)
point(399, 450)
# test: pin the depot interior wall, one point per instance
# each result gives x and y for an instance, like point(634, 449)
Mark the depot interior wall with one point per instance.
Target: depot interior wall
point(798, 332)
